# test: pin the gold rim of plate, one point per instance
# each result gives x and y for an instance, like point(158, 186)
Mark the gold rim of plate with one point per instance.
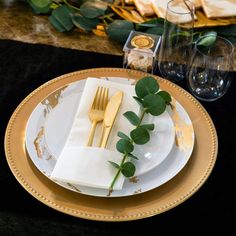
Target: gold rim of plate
point(139, 206)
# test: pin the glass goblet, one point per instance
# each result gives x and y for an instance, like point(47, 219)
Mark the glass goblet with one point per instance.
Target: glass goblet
point(210, 69)
point(176, 40)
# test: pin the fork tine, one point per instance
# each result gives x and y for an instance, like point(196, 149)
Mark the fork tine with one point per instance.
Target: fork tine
point(98, 98)
point(103, 98)
point(95, 98)
point(100, 107)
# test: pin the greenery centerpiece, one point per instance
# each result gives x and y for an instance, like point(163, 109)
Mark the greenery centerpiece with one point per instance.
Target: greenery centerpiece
point(110, 18)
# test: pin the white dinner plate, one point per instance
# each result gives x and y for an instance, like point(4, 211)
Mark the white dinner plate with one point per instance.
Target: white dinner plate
point(58, 125)
point(43, 147)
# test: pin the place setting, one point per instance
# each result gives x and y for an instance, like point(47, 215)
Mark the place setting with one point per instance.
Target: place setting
point(93, 143)
point(71, 138)
point(120, 144)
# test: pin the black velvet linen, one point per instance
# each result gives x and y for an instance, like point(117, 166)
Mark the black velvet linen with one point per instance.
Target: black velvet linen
point(24, 67)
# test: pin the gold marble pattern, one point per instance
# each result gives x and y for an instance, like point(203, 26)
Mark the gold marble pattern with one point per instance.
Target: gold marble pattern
point(184, 131)
point(40, 146)
point(52, 100)
point(138, 191)
point(134, 179)
point(37, 143)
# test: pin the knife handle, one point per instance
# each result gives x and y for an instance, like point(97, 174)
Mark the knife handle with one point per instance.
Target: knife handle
point(105, 136)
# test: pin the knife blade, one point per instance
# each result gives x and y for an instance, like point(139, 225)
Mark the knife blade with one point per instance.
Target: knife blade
point(110, 116)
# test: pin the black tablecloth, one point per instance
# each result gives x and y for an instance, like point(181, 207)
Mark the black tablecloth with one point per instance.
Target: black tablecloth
point(24, 67)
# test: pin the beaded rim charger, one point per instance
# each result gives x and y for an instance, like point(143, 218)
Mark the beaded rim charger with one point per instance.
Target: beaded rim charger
point(154, 202)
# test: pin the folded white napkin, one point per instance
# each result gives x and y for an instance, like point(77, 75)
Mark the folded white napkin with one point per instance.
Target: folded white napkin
point(89, 166)
point(219, 8)
point(160, 8)
point(144, 7)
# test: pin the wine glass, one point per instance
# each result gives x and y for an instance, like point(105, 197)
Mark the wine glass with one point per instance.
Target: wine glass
point(177, 38)
point(210, 68)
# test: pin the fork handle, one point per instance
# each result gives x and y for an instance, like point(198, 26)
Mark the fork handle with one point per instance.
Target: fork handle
point(91, 133)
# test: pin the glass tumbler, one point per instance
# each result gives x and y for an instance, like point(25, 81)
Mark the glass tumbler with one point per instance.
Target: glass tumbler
point(210, 69)
point(177, 38)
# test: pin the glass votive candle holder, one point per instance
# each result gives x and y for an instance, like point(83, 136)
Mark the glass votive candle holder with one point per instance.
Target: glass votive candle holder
point(140, 51)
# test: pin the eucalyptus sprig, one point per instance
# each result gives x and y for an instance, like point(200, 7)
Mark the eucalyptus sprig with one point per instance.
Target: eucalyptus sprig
point(152, 101)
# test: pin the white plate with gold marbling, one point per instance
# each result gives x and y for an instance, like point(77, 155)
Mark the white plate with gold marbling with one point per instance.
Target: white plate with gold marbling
point(66, 100)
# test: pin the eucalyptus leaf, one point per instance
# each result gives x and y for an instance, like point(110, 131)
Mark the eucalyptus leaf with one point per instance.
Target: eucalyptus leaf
point(208, 39)
point(155, 30)
point(228, 32)
point(148, 126)
point(56, 24)
point(40, 6)
point(41, 3)
point(138, 100)
point(114, 164)
point(119, 30)
point(166, 96)
point(63, 15)
point(176, 37)
point(154, 104)
point(84, 23)
point(92, 9)
point(123, 136)
point(132, 156)
point(145, 86)
point(153, 23)
point(124, 146)
point(140, 135)
point(132, 117)
point(128, 169)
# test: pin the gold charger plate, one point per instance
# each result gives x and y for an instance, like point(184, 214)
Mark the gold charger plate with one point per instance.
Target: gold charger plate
point(153, 202)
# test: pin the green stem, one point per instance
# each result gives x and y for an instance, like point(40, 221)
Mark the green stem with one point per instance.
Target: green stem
point(104, 22)
point(125, 155)
point(70, 5)
point(117, 173)
point(108, 16)
point(54, 5)
point(141, 117)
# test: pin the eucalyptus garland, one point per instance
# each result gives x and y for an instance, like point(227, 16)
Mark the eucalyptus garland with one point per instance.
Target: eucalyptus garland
point(102, 16)
point(152, 101)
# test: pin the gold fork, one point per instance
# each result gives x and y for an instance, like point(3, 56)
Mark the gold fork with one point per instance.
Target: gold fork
point(97, 110)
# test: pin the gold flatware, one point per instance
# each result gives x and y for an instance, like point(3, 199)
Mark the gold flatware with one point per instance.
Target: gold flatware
point(97, 111)
point(110, 116)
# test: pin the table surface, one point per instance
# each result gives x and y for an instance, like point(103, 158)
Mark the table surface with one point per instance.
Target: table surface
point(24, 67)
point(19, 22)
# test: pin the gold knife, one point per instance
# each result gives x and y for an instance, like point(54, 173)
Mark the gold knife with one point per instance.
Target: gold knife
point(110, 116)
